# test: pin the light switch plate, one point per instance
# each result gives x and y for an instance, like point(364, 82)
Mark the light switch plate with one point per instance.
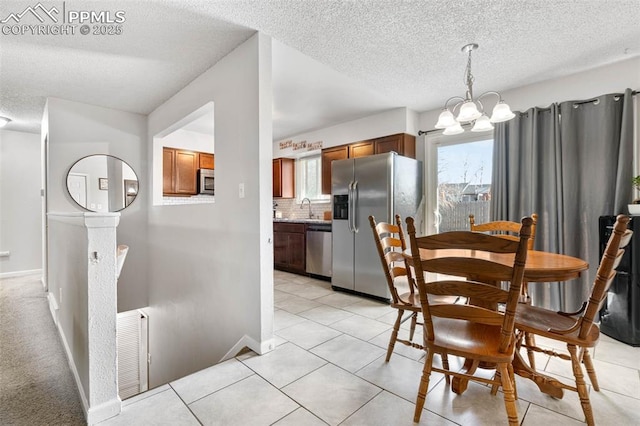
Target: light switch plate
point(241, 190)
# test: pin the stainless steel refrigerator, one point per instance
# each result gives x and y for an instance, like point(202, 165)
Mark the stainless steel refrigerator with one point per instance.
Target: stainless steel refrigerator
point(381, 185)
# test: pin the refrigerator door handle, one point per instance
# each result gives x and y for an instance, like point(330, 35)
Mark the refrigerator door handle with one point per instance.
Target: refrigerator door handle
point(355, 205)
point(350, 206)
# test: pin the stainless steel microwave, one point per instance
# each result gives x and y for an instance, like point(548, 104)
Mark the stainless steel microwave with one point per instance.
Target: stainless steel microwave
point(205, 181)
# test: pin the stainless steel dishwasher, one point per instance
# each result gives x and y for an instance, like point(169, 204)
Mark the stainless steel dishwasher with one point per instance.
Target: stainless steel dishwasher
point(319, 249)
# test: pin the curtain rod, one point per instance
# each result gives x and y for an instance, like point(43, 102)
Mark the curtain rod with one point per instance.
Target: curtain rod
point(426, 132)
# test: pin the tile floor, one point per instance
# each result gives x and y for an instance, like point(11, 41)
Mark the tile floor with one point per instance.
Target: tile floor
point(328, 368)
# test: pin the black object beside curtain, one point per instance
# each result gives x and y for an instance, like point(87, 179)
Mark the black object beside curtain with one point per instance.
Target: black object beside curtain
point(569, 163)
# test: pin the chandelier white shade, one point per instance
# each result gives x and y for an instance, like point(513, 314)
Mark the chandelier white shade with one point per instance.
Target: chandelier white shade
point(470, 109)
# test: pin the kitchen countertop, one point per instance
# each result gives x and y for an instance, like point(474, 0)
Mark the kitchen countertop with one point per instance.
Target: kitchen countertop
point(283, 220)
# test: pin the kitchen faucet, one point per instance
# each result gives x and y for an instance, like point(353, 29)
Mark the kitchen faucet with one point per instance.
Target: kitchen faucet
point(302, 204)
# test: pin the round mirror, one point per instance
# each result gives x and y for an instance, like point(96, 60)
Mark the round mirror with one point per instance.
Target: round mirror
point(102, 183)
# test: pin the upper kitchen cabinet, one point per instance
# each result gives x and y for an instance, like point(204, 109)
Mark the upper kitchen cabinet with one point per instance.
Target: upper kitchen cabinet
point(179, 172)
point(401, 143)
point(328, 156)
point(361, 149)
point(284, 178)
point(206, 161)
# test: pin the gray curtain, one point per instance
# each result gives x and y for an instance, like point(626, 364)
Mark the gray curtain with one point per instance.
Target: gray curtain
point(569, 163)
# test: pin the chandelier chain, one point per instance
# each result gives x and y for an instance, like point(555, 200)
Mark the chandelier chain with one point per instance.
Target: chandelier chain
point(468, 77)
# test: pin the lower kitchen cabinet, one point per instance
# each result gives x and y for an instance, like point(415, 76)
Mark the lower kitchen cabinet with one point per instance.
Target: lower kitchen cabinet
point(289, 247)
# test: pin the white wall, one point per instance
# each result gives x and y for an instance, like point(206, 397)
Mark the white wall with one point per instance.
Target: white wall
point(211, 265)
point(20, 211)
point(399, 120)
point(75, 130)
point(186, 139)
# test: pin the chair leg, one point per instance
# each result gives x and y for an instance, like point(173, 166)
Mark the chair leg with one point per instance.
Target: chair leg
point(583, 392)
point(509, 395)
point(512, 375)
point(531, 342)
point(494, 387)
point(445, 365)
point(414, 320)
point(394, 335)
point(588, 363)
point(424, 386)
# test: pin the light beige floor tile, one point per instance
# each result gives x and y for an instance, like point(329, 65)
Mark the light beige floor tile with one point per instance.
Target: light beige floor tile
point(209, 380)
point(400, 376)
point(325, 314)
point(610, 350)
point(285, 364)
point(338, 300)
point(382, 340)
point(314, 291)
point(612, 377)
point(569, 405)
point(538, 416)
point(163, 408)
point(295, 304)
point(390, 317)
point(476, 406)
point(308, 334)
point(252, 401)
point(147, 394)
point(283, 319)
point(277, 340)
point(547, 343)
point(279, 296)
point(541, 359)
point(360, 327)
point(331, 393)
point(387, 409)
point(300, 417)
point(370, 308)
point(348, 352)
point(614, 409)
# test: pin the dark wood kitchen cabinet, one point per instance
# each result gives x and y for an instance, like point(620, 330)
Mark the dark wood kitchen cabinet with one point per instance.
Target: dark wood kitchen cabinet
point(354, 150)
point(289, 247)
point(328, 156)
point(179, 172)
point(284, 178)
point(206, 160)
point(401, 143)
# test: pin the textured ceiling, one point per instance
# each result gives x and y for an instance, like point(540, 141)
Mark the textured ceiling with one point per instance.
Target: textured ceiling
point(362, 56)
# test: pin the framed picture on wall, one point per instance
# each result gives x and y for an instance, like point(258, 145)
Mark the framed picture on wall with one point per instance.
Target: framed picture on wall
point(103, 183)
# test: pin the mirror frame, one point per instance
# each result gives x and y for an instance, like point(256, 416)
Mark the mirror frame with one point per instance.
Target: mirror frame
point(103, 184)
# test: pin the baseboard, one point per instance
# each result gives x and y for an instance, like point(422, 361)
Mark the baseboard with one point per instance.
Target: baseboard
point(104, 411)
point(53, 307)
point(74, 371)
point(20, 273)
point(259, 348)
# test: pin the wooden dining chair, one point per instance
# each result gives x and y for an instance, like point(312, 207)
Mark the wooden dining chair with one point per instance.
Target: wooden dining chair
point(577, 329)
point(504, 228)
point(509, 230)
point(477, 331)
point(390, 243)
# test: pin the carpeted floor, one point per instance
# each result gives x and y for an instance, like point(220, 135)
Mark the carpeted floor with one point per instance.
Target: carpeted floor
point(36, 383)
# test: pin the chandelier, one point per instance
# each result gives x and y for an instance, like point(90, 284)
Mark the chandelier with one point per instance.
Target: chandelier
point(471, 109)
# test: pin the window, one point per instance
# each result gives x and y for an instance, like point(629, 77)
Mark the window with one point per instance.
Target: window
point(458, 180)
point(309, 179)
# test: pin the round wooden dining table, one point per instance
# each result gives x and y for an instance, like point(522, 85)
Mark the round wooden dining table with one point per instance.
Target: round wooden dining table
point(541, 266)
